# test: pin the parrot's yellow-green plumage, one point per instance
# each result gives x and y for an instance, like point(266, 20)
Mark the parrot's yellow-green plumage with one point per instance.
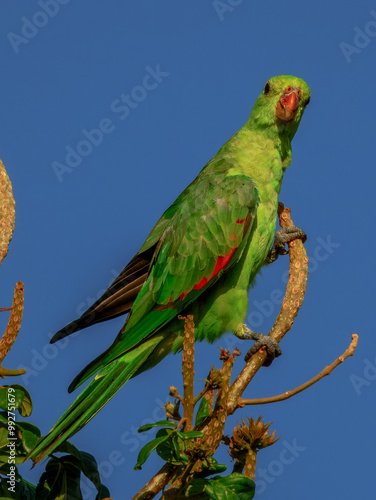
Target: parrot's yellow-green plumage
point(200, 258)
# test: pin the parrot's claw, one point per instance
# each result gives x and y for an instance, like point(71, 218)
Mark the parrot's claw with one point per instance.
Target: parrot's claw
point(272, 347)
point(283, 236)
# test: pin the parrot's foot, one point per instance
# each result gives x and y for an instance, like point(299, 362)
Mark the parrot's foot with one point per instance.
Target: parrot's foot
point(283, 236)
point(272, 347)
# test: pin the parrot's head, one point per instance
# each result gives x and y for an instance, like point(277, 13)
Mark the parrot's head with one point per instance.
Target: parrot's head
point(281, 104)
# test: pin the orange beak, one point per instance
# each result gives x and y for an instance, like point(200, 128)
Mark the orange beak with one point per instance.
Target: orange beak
point(288, 104)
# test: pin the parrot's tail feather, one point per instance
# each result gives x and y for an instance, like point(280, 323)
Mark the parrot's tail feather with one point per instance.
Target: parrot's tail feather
point(73, 327)
point(87, 372)
point(108, 381)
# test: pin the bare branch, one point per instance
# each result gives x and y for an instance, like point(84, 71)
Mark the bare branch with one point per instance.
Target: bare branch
point(288, 394)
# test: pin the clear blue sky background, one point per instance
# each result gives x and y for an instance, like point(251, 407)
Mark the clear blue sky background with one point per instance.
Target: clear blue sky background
point(73, 236)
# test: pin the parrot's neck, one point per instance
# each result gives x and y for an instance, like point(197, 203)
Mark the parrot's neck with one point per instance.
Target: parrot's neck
point(261, 157)
point(276, 133)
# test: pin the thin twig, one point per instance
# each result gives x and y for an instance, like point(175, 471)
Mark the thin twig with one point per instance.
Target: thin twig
point(181, 422)
point(202, 393)
point(288, 394)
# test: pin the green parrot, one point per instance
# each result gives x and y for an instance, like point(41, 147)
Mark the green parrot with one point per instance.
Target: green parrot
point(200, 258)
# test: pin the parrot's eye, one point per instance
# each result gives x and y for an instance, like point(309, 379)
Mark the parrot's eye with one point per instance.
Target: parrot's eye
point(267, 88)
point(308, 100)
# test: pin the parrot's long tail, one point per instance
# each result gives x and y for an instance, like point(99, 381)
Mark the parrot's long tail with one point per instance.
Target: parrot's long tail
point(108, 381)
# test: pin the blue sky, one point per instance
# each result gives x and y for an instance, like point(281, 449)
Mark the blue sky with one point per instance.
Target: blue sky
point(192, 71)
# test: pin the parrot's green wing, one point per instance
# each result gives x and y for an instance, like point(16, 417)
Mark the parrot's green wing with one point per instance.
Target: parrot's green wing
point(204, 237)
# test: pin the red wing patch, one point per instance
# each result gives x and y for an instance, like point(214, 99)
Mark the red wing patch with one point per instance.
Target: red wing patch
point(222, 261)
point(220, 264)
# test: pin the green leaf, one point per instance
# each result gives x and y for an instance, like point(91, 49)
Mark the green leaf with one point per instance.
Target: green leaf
point(210, 467)
point(5, 469)
point(23, 490)
point(27, 426)
point(67, 447)
point(29, 441)
point(4, 398)
point(60, 480)
point(167, 452)
point(30, 435)
point(15, 396)
point(160, 423)
point(173, 449)
point(165, 432)
point(3, 436)
point(147, 449)
point(178, 445)
point(17, 460)
point(103, 493)
point(203, 412)
point(65, 472)
point(27, 490)
point(90, 469)
point(16, 447)
point(197, 487)
point(190, 434)
point(232, 487)
point(25, 406)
